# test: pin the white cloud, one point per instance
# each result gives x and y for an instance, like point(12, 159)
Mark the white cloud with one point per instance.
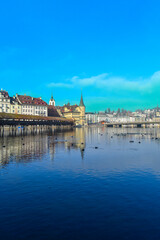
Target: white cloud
point(89, 81)
point(107, 82)
point(60, 85)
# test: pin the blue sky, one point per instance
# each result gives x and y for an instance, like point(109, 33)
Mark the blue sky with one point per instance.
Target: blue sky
point(109, 48)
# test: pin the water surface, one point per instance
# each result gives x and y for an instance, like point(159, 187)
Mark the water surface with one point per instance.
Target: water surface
point(91, 183)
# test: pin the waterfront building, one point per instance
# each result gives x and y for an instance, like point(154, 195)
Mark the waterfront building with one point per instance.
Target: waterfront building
point(32, 106)
point(91, 117)
point(77, 112)
point(15, 106)
point(22, 104)
point(101, 116)
point(4, 101)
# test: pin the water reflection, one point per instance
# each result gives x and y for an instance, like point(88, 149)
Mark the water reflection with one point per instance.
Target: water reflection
point(87, 183)
point(35, 147)
point(32, 147)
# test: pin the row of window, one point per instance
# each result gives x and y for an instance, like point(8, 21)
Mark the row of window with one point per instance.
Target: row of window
point(36, 113)
point(4, 100)
point(27, 106)
point(29, 110)
point(3, 105)
point(38, 108)
point(13, 111)
point(7, 106)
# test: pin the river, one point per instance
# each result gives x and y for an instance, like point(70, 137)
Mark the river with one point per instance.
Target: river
point(88, 183)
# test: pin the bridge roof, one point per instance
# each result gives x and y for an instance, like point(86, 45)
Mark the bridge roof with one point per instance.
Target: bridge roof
point(31, 117)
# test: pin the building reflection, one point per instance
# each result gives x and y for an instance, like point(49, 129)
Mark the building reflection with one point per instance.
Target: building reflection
point(31, 148)
point(77, 141)
point(22, 149)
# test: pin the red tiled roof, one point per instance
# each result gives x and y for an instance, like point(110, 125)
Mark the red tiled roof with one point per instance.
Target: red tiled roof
point(52, 111)
point(31, 101)
point(70, 108)
point(4, 93)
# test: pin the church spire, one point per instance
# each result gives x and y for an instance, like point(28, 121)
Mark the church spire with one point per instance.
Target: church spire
point(81, 102)
point(52, 101)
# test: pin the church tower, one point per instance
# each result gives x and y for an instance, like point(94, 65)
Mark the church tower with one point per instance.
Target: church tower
point(82, 109)
point(52, 101)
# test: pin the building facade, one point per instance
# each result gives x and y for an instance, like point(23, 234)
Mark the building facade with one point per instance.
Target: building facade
point(32, 106)
point(91, 118)
point(77, 112)
point(5, 105)
point(22, 104)
point(27, 105)
point(15, 106)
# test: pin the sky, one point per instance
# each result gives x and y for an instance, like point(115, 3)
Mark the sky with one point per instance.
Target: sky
point(108, 48)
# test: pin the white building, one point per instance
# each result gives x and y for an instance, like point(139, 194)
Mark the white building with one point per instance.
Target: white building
point(101, 116)
point(91, 117)
point(15, 106)
point(4, 101)
point(32, 106)
point(22, 104)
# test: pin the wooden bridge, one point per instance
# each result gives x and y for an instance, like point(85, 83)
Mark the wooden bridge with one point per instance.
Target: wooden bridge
point(25, 120)
point(14, 124)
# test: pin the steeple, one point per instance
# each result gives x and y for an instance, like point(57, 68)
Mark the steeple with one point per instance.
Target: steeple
point(52, 101)
point(81, 102)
